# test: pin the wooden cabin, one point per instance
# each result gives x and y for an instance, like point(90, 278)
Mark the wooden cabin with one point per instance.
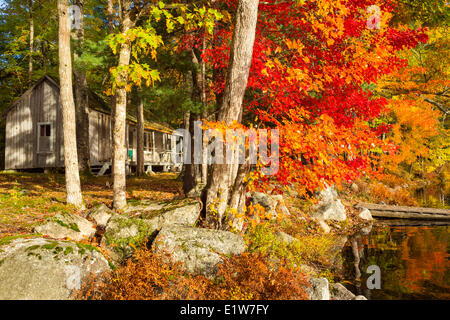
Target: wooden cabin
point(34, 136)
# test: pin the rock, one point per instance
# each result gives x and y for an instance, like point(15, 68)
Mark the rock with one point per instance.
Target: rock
point(319, 289)
point(148, 218)
point(329, 206)
point(335, 251)
point(100, 214)
point(354, 187)
point(323, 225)
point(199, 249)
point(196, 192)
point(121, 231)
point(66, 225)
point(270, 203)
point(184, 212)
point(360, 298)
point(283, 236)
point(40, 268)
point(280, 205)
point(339, 292)
point(329, 194)
point(265, 201)
point(366, 230)
point(365, 214)
point(307, 269)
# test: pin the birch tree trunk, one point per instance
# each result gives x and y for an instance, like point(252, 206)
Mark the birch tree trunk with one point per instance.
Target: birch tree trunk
point(30, 62)
point(225, 187)
point(81, 96)
point(68, 107)
point(140, 138)
point(120, 150)
point(112, 100)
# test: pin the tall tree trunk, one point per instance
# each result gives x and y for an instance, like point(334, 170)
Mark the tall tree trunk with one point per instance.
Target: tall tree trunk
point(204, 165)
point(81, 97)
point(225, 188)
point(193, 171)
point(112, 100)
point(30, 62)
point(68, 107)
point(110, 13)
point(120, 150)
point(140, 137)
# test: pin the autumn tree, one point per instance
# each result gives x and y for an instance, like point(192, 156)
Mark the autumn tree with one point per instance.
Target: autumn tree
point(310, 77)
point(224, 189)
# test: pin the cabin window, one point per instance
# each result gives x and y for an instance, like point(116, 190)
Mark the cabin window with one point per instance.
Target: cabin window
point(148, 141)
point(145, 141)
point(45, 137)
point(167, 142)
point(130, 139)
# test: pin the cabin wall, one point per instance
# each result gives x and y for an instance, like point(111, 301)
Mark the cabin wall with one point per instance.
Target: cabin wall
point(21, 150)
point(46, 108)
point(19, 137)
point(42, 106)
point(100, 137)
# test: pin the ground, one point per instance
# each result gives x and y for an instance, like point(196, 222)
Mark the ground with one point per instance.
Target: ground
point(26, 199)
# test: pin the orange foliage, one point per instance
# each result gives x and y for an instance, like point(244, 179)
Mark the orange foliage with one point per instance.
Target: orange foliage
point(152, 276)
point(397, 196)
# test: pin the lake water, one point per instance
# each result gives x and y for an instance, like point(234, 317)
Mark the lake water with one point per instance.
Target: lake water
point(414, 261)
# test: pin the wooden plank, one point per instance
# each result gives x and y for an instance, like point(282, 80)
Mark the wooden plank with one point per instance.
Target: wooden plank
point(382, 207)
point(408, 215)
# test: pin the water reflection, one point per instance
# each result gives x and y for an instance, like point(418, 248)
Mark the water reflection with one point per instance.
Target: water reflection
point(413, 259)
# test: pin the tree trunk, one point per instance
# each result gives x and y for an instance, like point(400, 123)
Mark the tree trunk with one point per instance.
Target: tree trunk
point(68, 107)
point(193, 171)
point(81, 97)
point(30, 62)
point(110, 12)
point(120, 150)
point(112, 100)
point(140, 137)
point(225, 187)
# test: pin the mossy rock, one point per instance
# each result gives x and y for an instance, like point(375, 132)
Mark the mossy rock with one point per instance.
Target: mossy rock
point(66, 225)
point(39, 268)
point(123, 233)
point(199, 249)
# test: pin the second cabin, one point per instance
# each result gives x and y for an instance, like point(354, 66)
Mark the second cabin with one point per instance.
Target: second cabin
point(34, 136)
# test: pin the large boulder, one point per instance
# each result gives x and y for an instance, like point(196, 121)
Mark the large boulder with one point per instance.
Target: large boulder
point(319, 290)
point(365, 214)
point(339, 292)
point(271, 203)
point(143, 221)
point(199, 249)
point(184, 212)
point(329, 206)
point(100, 214)
point(66, 225)
point(40, 268)
point(123, 234)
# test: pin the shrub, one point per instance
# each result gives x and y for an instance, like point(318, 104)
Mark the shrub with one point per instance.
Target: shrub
point(148, 276)
point(309, 248)
point(153, 276)
point(399, 196)
point(250, 276)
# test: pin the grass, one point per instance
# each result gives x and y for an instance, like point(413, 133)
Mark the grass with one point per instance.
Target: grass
point(27, 199)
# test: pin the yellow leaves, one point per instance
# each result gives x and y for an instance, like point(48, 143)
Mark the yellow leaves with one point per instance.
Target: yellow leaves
point(264, 72)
